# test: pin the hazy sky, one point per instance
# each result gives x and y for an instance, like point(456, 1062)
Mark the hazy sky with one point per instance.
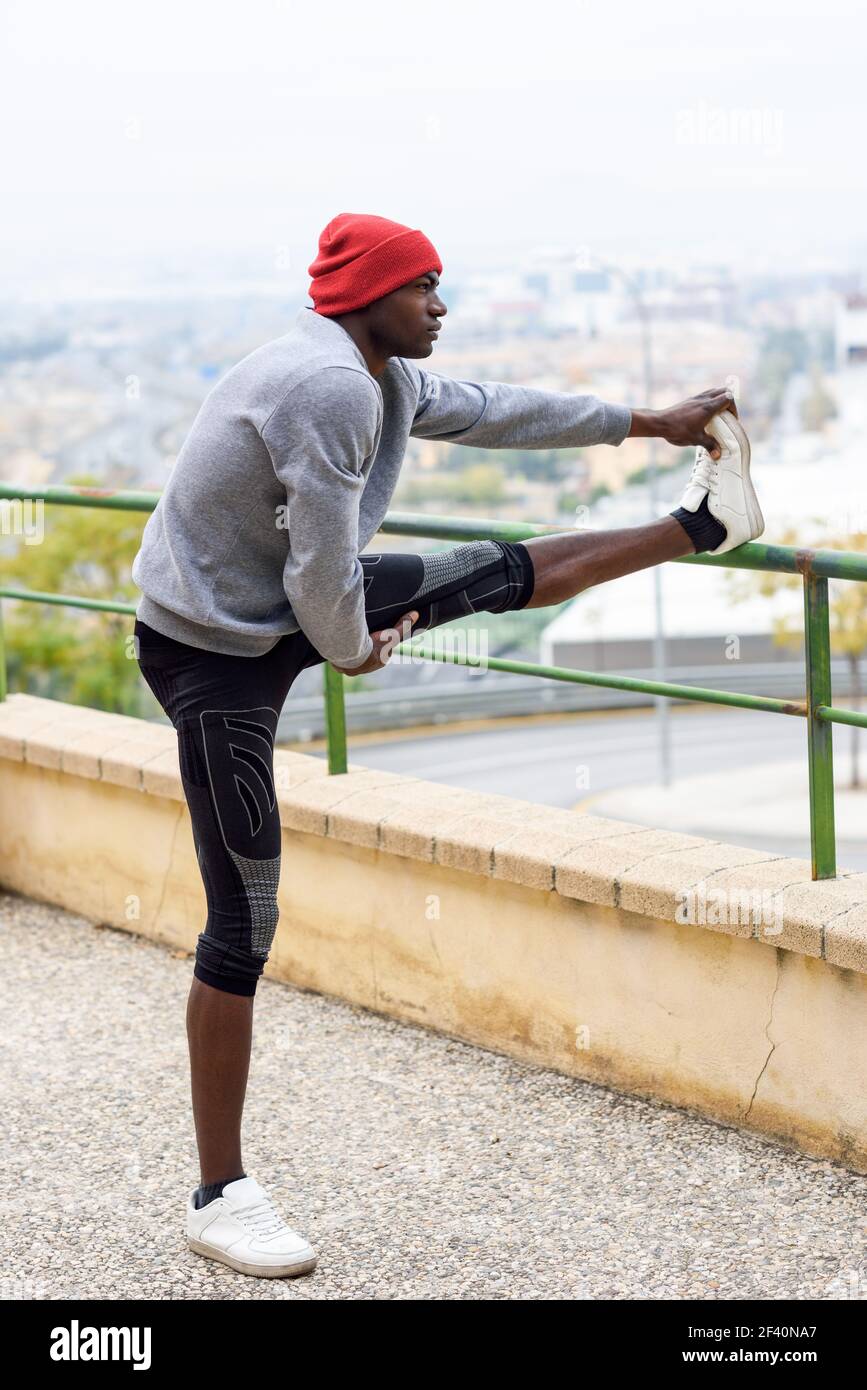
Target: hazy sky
point(735, 131)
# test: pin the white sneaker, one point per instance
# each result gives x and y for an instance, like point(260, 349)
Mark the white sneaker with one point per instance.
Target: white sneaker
point(731, 497)
point(244, 1229)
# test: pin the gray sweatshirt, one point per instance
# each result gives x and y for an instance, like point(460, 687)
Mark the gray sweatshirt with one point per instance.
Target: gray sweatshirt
point(287, 474)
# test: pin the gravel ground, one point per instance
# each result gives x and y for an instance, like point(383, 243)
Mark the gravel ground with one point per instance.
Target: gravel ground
point(420, 1167)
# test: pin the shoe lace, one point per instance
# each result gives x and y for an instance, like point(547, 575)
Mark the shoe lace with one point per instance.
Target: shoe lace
point(262, 1218)
point(705, 470)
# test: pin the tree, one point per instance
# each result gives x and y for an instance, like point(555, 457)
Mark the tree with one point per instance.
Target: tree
point(75, 654)
point(481, 483)
point(847, 603)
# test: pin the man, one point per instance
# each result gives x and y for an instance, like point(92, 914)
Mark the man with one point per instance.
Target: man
point(251, 572)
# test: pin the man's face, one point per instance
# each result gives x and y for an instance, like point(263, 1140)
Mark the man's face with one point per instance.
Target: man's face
point(401, 323)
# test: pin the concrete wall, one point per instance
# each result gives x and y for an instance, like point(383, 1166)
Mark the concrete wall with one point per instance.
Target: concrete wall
point(622, 955)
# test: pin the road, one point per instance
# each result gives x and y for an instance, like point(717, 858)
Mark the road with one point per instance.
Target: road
point(569, 761)
point(562, 761)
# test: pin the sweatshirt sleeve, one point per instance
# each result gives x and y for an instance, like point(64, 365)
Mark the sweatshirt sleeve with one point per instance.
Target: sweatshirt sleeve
point(497, 415)
point(318, 437)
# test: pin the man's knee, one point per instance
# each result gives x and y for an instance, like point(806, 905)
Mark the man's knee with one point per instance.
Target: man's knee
point(234, 969)
point(232, 951)
point(508, 584)
point(520, 575)
point(479, 565)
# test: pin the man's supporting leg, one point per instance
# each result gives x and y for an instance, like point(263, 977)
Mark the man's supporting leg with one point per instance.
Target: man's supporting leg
point(225, 711)
point(566, 564)
point(219, 1033)
point(228, 773)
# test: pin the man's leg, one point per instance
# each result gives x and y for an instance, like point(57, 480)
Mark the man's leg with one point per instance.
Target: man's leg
point(567, 564)
point(496, 576)
point(225, 712)
point(229, 787)
point(219, 1035)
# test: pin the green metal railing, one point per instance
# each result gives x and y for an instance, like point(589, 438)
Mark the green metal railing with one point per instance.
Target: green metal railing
point(816, 567)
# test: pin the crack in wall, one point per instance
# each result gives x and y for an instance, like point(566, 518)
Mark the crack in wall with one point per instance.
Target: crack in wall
point(767, 1034)
point(430, 932)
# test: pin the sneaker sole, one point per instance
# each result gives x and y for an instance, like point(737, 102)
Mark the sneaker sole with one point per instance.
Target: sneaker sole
point(757, 521)
point(263, 1271)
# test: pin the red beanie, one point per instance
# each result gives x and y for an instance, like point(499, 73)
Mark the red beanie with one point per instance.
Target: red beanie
point(362, 257)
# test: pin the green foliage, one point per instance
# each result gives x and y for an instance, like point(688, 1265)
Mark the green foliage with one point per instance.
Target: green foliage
point(73, 654)
point(847, 600)
point(598, 491)
point(568, 502)
point(480, 483)
point(847, 614)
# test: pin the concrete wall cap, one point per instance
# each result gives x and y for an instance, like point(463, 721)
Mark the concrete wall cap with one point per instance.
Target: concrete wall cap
point(624, 866)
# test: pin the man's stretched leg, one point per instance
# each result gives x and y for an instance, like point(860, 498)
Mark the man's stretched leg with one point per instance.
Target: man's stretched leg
point(567, 564)
point(498, 576)
point(719, 510)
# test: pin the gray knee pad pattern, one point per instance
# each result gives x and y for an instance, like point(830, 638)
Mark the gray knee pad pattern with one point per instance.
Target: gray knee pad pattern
point(260, 878)
point(451, 566)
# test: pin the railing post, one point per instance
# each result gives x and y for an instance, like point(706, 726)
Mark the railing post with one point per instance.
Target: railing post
point(820, 747)
point(335, 718)
point(2, 656)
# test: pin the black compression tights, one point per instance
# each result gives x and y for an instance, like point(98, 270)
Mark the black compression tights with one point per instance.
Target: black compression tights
point(225, 711)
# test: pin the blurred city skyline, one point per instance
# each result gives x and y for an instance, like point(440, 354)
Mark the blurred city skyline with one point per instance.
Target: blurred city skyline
point(210, 142)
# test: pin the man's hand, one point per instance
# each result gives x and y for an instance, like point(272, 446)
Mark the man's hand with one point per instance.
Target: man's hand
point(384, 643)
point(685, 423)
